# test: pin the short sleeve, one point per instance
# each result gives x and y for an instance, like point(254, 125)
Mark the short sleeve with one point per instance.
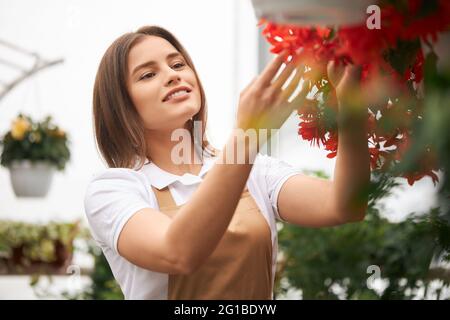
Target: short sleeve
point(277, 172)
point(111, 199)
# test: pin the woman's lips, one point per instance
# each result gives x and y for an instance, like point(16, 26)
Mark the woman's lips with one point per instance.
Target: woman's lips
point(179, 98)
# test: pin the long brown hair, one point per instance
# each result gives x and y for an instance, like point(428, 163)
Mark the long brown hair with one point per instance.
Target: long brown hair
point(119, 130)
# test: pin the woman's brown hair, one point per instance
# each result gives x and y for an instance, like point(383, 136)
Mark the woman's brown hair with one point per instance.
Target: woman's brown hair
point(119, 130)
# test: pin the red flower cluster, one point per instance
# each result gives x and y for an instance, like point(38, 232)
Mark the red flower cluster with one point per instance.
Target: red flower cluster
point(392, 63)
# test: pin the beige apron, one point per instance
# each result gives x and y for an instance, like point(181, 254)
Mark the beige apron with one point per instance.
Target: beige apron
point(241, 265)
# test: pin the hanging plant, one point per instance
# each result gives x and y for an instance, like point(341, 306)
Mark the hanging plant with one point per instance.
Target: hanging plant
point(36, 142)
point(393, 78)
point(32, 151)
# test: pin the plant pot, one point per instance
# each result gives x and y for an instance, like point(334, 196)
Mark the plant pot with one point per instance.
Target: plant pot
point(19, 264)
point(31, 179)
point(27, 248)
point(312, 12)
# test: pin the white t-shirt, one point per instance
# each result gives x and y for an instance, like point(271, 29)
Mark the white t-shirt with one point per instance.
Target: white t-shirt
point(115, 194)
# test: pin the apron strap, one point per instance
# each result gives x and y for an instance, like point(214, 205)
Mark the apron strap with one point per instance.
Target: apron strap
point(164, 198)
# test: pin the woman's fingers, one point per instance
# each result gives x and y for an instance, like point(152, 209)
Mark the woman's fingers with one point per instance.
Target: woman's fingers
point(293, 84)
point(284, 75)
point(300, 98)
point(335, 72)
point(352, 74)
point(249, 85)
point(271, 70)
point(286, 108)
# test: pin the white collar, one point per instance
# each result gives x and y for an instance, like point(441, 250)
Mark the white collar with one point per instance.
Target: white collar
point(160, 178)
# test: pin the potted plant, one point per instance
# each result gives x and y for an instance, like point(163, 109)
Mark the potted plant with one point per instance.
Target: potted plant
point(32, 151)
point(27, 248)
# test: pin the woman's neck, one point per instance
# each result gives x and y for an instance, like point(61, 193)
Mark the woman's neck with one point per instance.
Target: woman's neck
point(176, 157)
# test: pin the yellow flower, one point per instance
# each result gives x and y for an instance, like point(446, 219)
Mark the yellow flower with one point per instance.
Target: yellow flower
point(20, 126)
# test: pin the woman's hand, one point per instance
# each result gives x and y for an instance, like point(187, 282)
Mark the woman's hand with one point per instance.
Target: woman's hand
point(346, 82)
point(263, 104)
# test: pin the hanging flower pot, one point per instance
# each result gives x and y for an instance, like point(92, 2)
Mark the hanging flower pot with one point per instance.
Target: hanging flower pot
point(33, 151)
point(30, 179)
point(312, 12)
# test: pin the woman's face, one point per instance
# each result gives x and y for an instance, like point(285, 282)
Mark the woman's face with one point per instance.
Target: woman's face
point(156, 69)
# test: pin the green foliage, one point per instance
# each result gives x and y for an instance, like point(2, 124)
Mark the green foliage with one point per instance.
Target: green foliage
point(35, 141)
point(318, 261)
point(104, 286)
point(432, 130)
point(400, 57)
point(435, 124)
point(36, 243)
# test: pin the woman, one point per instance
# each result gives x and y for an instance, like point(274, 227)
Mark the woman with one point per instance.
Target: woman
point(205, 228)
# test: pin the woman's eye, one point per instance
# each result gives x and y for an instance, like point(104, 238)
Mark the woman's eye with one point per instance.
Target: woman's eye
point(147, 75)
point(179, 65)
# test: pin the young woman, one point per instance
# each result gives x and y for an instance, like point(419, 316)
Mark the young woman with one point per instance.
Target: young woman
point(205, 228)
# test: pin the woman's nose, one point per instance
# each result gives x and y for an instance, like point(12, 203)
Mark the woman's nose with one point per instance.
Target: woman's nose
point(177, 79)
point(173, 77)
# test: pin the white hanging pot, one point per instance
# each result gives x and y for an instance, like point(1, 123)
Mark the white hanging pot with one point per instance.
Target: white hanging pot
point(31, 179)
point(312, 12)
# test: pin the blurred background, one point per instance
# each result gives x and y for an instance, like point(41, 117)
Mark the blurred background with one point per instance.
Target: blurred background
point(228, 50)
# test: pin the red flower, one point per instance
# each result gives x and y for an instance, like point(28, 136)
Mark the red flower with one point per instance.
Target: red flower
point(331, 144)
point(384, 69)
point(311, 131)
